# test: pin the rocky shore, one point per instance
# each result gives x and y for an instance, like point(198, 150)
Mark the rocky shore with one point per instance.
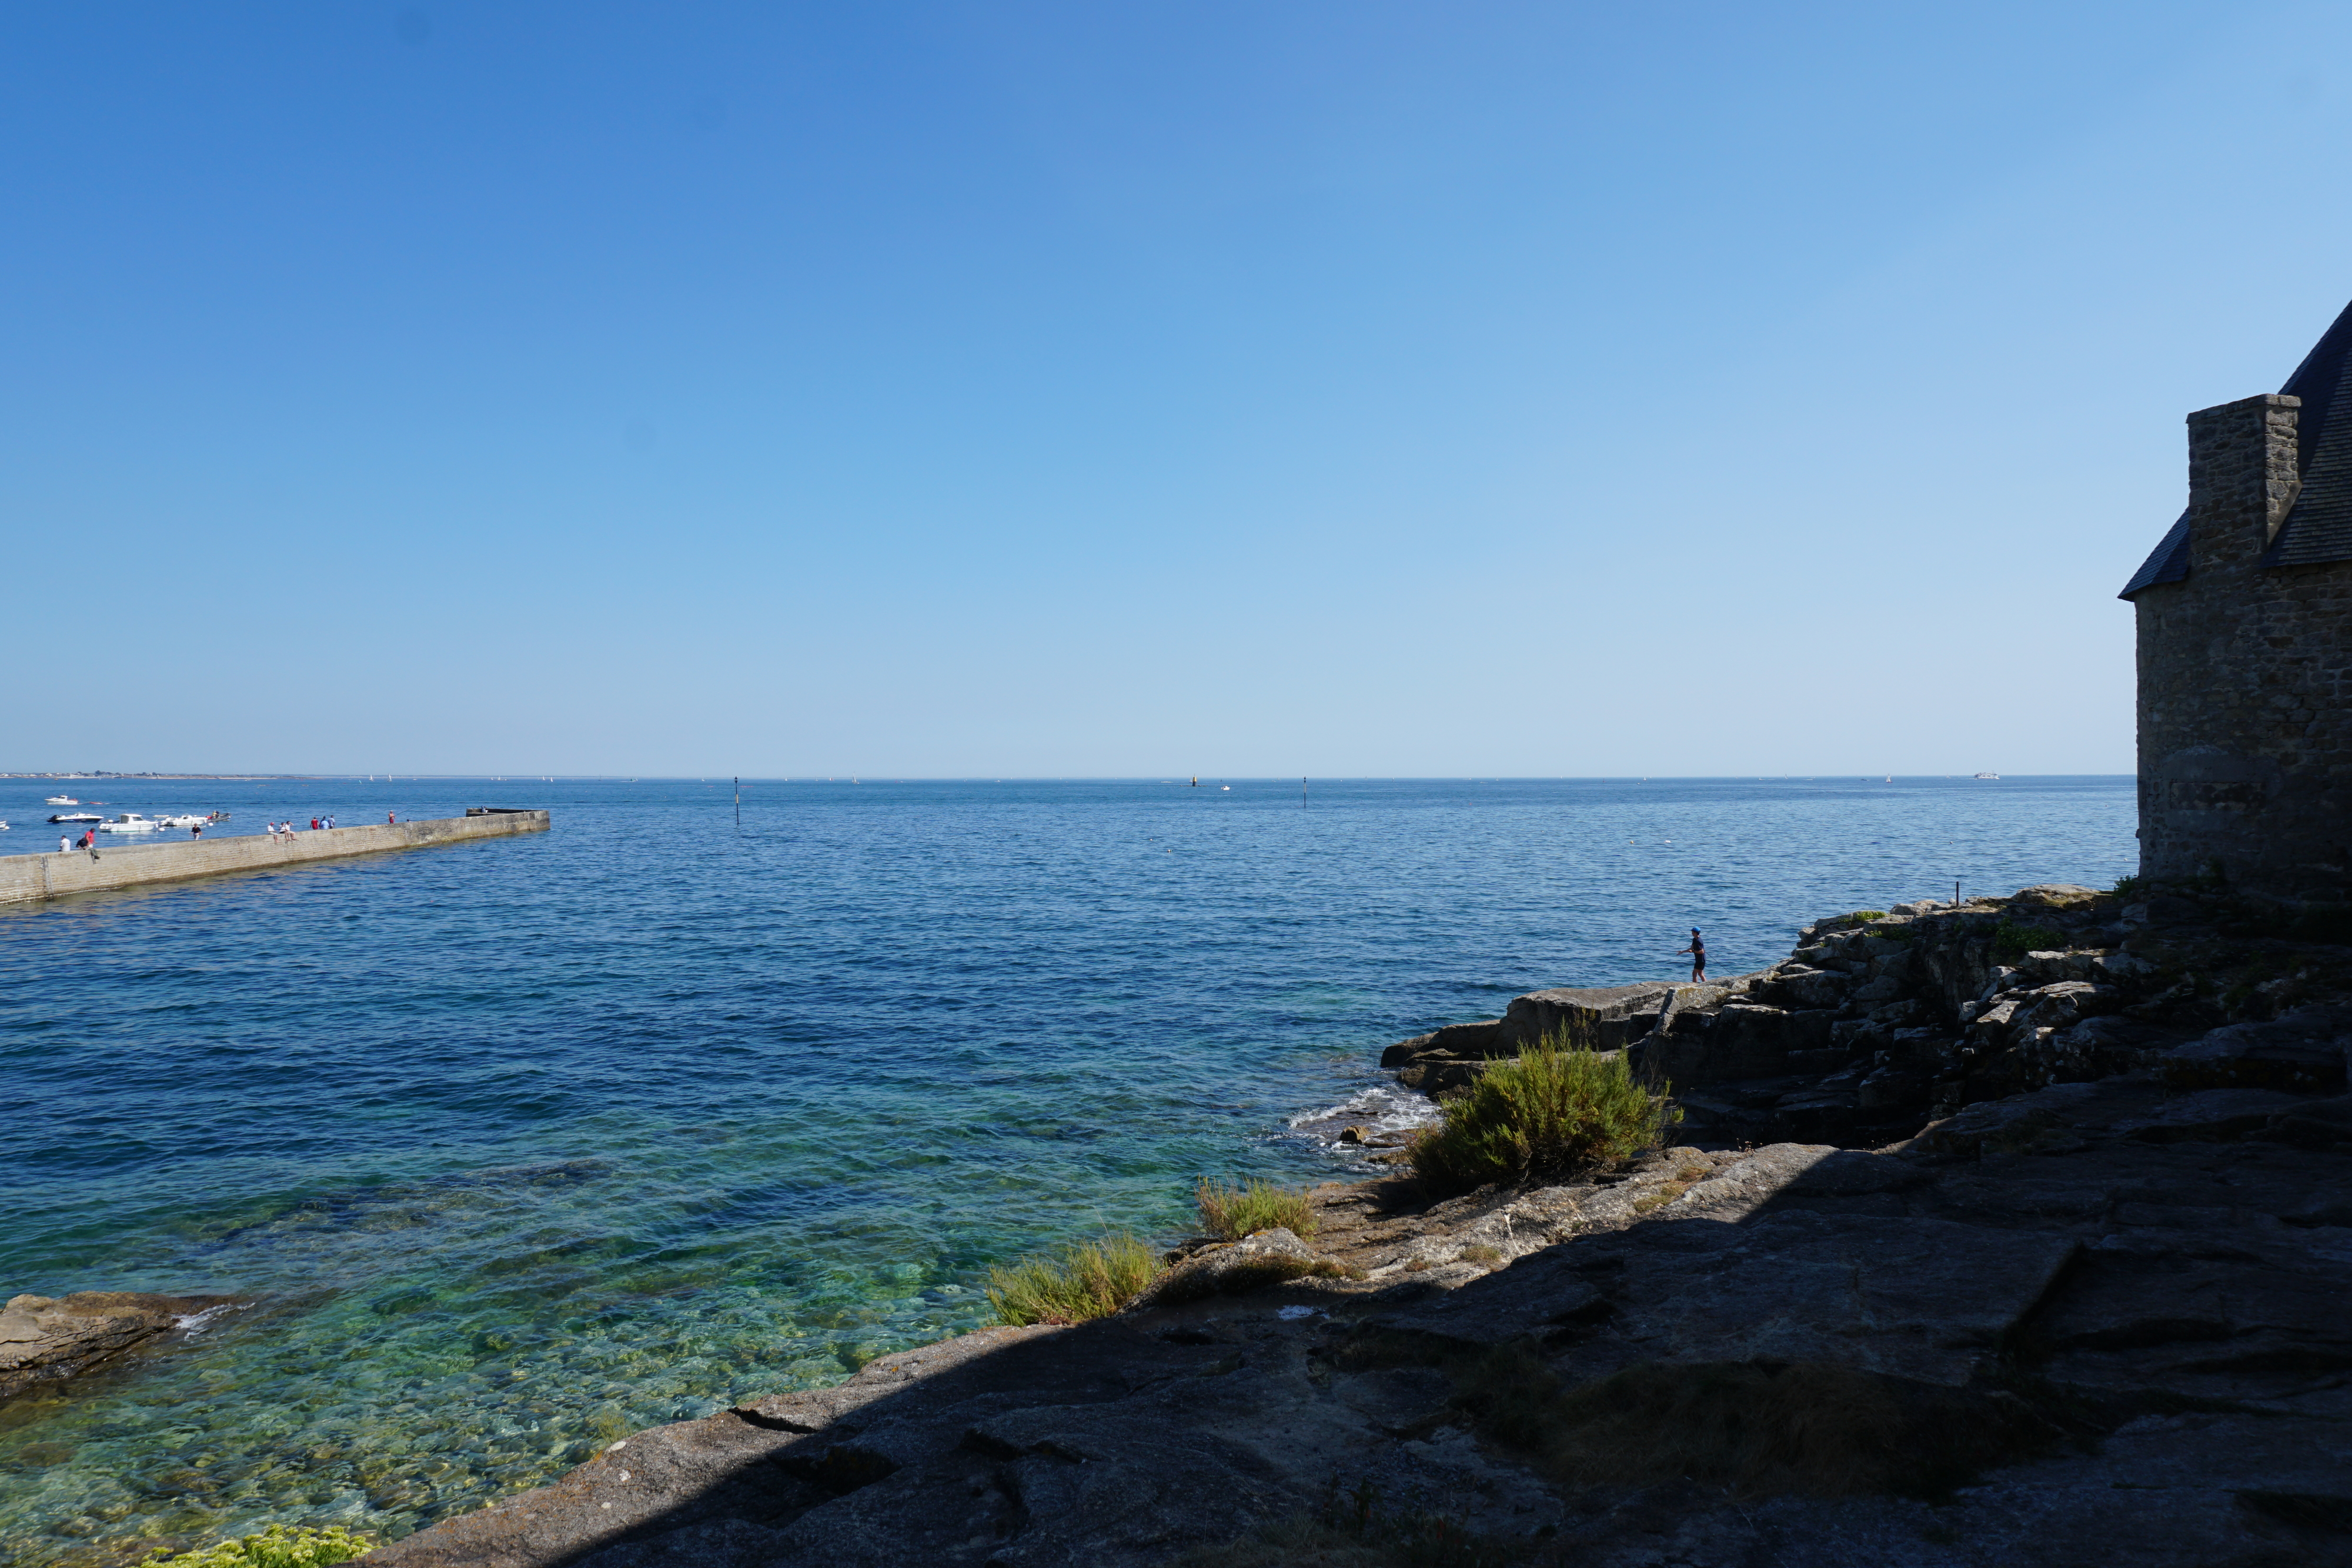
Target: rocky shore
point(45, 1340)
point(2014, 1232)
point(1875, 1025)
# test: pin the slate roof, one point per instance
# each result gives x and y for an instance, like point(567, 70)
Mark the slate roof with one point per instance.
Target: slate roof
point(2318, 528)
point(2168, 562)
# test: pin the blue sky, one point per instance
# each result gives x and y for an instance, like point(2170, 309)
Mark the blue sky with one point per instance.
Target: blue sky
point(1032, 390)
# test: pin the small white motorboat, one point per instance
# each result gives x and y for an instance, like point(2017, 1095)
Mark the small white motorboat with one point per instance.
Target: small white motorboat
point(76, 817)
point(189, 820)
point(1988, 775)
point(130, 822)
point(61, 800)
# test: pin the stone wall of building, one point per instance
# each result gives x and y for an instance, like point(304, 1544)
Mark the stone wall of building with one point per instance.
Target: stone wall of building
point(2245, 679)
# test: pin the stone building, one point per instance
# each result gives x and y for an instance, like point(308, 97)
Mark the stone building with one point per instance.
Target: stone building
point(2245, 666)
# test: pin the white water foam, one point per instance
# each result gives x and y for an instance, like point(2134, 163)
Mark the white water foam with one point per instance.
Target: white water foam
point(196, 1324)
point(1388, 1116)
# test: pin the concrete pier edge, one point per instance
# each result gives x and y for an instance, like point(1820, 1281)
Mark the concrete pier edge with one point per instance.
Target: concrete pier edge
point(33, 878)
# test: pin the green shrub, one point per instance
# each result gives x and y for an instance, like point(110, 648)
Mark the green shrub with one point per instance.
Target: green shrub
point(1553, 1110)
point(1231, 1212)
point(2010, 940)
point(2128, 887)
point(276, 1547)
point(1091, 1280)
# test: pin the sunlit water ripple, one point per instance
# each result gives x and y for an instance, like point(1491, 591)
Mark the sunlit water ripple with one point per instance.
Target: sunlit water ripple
point(517, 1145)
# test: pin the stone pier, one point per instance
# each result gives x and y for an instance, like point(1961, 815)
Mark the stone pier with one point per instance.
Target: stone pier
point(29, 879)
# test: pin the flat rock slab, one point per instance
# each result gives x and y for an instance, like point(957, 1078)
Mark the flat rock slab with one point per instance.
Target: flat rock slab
point(2187, 1491)
point(2302, 1051)
point(1580, 1012)
point(44, 1339)
point(1232, 1268)
point(1920, 1299)
point(1103, 1446)
point(2049, 1120)
point(2211, 1115)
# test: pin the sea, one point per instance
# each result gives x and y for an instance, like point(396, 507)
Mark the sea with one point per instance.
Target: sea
point(500, 1150)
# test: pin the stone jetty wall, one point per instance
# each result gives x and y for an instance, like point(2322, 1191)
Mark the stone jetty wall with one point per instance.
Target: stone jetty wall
point(27, 879)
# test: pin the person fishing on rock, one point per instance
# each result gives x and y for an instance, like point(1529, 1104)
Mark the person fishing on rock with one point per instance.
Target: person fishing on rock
point(1697, 951)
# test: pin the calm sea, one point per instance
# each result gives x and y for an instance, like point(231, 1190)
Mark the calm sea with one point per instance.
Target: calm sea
point(518, 1145)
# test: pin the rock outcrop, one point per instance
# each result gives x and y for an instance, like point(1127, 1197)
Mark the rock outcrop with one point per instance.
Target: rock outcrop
point(2057, 1275)
point(2098, 1321)
point(45, 1340)
point(1879, 1023)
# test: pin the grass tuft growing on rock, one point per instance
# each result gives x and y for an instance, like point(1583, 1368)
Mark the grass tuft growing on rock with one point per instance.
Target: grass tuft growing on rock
point(2012, 941)
point(1231, 1212)
point(1553, 1110)
point(276, 1547)
point(1090, 1281)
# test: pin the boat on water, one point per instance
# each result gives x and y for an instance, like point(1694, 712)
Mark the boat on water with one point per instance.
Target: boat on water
point(186, 820)
point(130, 822)
point(1986, 776)
point(61, 800)
point(76, 817)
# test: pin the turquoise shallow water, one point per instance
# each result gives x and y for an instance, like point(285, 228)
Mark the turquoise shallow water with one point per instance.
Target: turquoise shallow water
point(514, 1146)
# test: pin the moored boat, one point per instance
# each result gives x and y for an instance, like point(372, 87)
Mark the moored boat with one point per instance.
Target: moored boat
point(76, 817)
point(130, 822)
point(61, 800)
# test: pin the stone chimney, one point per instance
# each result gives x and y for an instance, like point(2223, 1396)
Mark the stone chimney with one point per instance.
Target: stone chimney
point(2241, 480)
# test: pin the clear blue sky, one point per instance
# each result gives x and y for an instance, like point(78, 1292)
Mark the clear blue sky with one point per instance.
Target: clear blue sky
point(1006, 388)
